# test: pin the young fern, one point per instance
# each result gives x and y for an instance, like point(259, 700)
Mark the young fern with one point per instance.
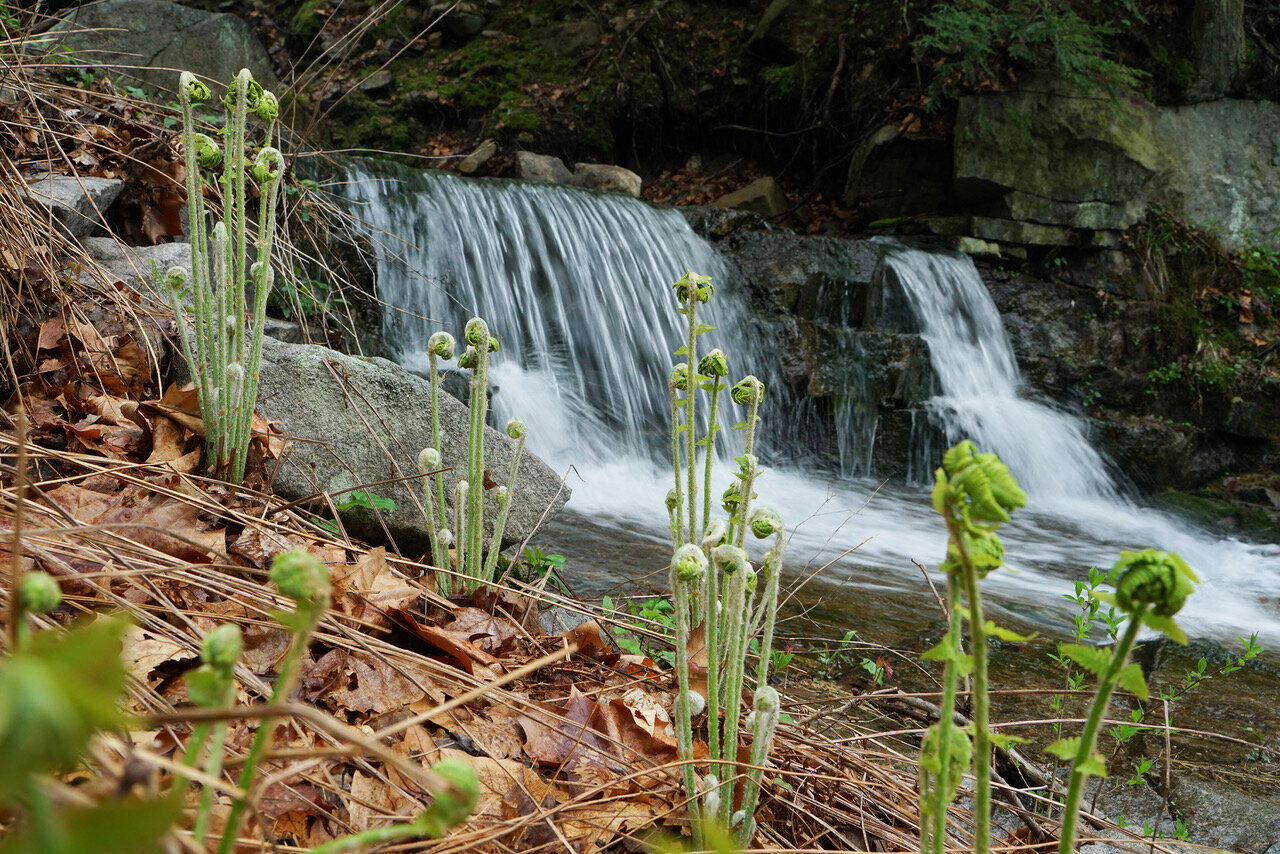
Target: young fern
point(975, 494)
point(714, 586)
point(1150, 586)
point(228, 339)
point(476, 564)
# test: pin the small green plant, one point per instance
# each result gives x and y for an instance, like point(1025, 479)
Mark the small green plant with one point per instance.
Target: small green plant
point(301, 576)
point(975, 494)
point(714, 586)
point(228, 339)
point(476, 562)
point(1150, 587)
point(658, 613)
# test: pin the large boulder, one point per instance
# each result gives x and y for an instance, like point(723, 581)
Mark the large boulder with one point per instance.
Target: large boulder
point(1219, 162)
point(606, 178)
point(141, 268)
point(152, 40)
point(353, 421)
point(75, 204)
point(541, 167)
point(1052, 141)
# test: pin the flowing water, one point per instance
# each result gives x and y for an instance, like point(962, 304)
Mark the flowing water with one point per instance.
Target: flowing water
point(576, 285)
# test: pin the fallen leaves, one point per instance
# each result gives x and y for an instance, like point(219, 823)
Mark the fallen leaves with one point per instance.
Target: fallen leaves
point(166, 524)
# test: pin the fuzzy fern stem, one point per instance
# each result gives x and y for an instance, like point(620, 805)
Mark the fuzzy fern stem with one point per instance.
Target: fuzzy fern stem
point(1089, 736)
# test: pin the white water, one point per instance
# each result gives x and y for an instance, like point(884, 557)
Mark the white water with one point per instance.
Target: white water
point(577, 288)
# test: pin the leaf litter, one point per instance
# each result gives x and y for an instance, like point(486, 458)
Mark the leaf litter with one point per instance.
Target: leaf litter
point(580, 752)
point(572, 739)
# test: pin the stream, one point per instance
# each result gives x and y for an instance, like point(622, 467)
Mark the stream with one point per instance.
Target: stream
point(576, 285)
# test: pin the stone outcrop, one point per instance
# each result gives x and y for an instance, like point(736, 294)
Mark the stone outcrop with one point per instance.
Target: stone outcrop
point(1049, 166)
point(606, 178)
point(354, 421)
point(77, 205)
point(156, 39)
point(1052, 141)
point(541, 167)
point(1219, 164)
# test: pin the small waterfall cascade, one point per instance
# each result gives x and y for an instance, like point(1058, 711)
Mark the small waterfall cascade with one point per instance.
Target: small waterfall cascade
point(980, 392)
point(575, 284)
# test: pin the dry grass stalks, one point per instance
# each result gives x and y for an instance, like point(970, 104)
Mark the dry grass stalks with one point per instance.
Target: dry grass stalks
point(571, 740)
point(835, 796)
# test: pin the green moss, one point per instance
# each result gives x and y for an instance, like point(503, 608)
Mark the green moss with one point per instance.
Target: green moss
point(306, 22)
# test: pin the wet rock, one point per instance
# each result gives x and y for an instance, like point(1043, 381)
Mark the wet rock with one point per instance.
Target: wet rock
point(542, 167)
point(77, 204)
point(161, 36)
point(715, 223)
point(762, 196)
point(369, 428)
point(606, 178)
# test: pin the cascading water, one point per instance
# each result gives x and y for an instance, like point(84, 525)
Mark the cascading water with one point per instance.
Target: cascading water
point(576, 285)
point(980, 387)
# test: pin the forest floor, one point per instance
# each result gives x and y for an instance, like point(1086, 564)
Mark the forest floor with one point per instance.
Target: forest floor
point(103, 488)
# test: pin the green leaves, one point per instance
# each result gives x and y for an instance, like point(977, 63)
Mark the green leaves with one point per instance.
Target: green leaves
point(1068, 748)
point(122, 827)
point(1131, 679)
point(1092, 658)
point(979, 484)
point(1151, 577)
point(54, 694)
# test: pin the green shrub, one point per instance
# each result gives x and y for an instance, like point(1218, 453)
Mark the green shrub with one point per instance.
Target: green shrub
point(973, 41)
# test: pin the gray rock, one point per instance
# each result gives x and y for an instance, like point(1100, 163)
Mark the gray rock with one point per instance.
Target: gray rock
point(1028, 233)
point(1225, 817)
point(478, 158)
point(606, 178)
point(137, 266)
point(77, 204)
point(542, 167)
point(572, 37)
point(1087, 215)
point(1051, 140)
point(762, 196)
point(376, 84)
point(978, 248)
point(156, 39)
point(370, 427)
point(464, 21)
point(1219, 161)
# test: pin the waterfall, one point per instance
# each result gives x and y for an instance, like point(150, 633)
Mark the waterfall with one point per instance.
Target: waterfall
point(981, 395)
point(575, 284)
